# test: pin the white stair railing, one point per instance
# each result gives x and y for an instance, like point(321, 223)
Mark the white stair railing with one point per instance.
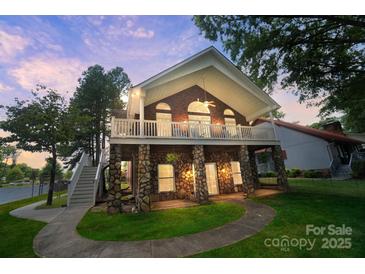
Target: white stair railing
point(98, 175)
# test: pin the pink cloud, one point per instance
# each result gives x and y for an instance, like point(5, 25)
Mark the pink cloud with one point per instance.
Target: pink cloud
point(11, 45)
point(295, 111)
point(54, 72)
point(4, 87)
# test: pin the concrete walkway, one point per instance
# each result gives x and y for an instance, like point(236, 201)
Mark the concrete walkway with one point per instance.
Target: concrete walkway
point(43, 215)
point(60, 238)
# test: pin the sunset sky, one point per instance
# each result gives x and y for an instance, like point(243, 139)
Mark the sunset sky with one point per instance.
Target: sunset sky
point(54, 51)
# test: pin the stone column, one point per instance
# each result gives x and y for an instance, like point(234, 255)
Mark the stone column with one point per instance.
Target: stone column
point(114, 202)
point(252, 156)
point(246, 171)
point(201, 187)
point(143, 202)
point(277, 156)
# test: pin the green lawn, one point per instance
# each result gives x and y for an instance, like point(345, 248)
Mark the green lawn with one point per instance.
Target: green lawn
point(317, 202)
point(58, 201)
point(158, 224)
point(17, 234)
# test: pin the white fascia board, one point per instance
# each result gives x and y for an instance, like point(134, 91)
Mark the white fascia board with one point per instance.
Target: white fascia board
point(261, 112)
point(174, 67)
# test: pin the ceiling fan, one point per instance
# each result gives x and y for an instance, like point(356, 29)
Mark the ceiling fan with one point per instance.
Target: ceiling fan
point(206, 102)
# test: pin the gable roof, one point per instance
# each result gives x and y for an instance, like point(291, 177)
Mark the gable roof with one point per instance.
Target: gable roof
point(323, 134)
point(207, 61)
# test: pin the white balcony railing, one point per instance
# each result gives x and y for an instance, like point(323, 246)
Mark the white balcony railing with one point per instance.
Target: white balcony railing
point(130, 128)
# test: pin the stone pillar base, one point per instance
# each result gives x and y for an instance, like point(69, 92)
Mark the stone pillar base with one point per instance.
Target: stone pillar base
point(143, 202)
point(247, 178)
point(201, 187)
point(282, 178)
point(114, 203)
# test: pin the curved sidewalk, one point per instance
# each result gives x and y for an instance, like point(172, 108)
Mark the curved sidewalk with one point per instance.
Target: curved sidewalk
point(60, 238)
point(42, 215)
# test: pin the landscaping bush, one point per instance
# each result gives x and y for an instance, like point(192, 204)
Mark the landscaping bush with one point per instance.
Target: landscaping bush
point(294, 172)
point(270, 174)
point(358, 169)
point(312, 174)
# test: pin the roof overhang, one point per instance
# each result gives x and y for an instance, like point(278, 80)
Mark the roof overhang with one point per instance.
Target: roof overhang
point(213, 72)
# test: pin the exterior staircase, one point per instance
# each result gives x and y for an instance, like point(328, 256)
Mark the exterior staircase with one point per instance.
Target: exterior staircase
point(83, 194)
point(342, 172)
point(85, 181)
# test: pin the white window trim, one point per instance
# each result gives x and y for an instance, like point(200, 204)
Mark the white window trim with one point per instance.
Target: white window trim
point(173, 179)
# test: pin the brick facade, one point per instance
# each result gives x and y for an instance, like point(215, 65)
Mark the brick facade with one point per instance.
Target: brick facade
point(179, 106)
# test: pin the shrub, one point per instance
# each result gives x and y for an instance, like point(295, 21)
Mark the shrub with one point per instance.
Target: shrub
point(358, 169)
point(312, 174)
point(294, 172)
point(270, 174)
point(15, 174)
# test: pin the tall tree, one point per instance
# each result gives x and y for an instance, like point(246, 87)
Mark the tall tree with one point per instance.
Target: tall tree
point(39, 125)
point(321, 58)
point(99, 91)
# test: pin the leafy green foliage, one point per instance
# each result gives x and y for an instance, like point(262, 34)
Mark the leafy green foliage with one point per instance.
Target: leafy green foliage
point(294, 172)
point(99, 91)
point(46, 170)
point(14, 174)
point(172, 158)
point(320, 58)
point(40, 125)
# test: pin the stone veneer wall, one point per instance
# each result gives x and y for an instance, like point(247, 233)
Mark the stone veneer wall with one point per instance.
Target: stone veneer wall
point(200, 176)
point(183, 171)
point(224, 170)
point(246, 171)
point(114, 203)
point(143, 202)
point(282, 179)
point(255, 176)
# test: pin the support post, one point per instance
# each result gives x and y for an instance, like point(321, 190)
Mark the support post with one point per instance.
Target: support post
point(201, 187)
point(277, 156)
point(114, 201)
point(141, 113)
point(246, 171)
point(143, 202)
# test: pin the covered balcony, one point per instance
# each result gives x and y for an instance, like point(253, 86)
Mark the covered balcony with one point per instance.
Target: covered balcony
point(133, 131)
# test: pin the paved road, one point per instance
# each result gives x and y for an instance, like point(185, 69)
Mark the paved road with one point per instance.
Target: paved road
point(10, 194)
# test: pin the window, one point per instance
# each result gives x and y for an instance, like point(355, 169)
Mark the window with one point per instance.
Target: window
point(166, 178)
point(199, 107)
point(199, 114)
point(230, 122)
point(236, 173)
point(163, 106)
point(163, 119)
point(228, 112)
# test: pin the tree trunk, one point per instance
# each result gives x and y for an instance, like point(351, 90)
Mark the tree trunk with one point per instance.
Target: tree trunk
point(53, 176)
point(97, 140)
point(103, 142)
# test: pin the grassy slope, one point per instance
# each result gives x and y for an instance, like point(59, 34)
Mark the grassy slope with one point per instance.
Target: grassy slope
point(17, 234)
point(158, 224)
point(315, 202)
point(57, 202)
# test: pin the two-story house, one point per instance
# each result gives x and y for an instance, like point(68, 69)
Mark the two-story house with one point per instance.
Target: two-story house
point(187, 134)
